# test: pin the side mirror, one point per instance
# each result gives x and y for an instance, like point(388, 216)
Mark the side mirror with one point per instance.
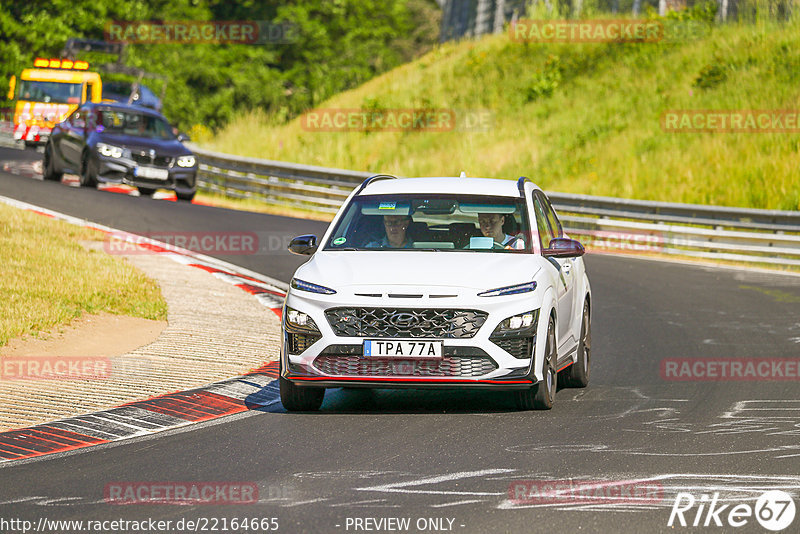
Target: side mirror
point(562, 247)
point(182, 137)
point(304, 244)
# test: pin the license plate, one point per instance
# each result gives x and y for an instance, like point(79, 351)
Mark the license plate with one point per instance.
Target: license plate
point(151, 173)
point(402, 348)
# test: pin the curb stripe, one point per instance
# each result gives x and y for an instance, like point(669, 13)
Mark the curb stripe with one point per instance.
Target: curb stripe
point(19, 444)
point(195, 407)
point(173, 410)
point(271, 369)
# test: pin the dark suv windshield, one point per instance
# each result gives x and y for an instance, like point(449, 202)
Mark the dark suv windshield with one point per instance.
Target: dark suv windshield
point(132, 123)
point(433, 222)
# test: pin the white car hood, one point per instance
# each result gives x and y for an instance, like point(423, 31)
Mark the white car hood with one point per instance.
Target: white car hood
point(359, 270)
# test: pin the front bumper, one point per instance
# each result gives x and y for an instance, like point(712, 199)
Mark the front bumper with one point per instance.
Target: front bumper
point(123, 171)
point(331, 360)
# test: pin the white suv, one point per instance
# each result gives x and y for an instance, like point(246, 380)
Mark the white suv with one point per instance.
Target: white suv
point(438, 283)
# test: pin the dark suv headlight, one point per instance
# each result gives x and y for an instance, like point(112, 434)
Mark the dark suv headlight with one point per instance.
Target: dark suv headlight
point(186, 161)
point(110, 151)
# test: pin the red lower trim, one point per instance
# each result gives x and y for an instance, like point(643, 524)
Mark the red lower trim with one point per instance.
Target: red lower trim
point(382, 379)
point(570, 363)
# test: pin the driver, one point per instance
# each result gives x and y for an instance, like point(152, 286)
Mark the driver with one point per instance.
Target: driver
point(492, 226)
point(395, 226)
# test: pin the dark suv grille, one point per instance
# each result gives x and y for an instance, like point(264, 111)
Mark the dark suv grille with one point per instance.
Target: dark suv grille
point(145, 159)
point(405, 322)
point(353, 365)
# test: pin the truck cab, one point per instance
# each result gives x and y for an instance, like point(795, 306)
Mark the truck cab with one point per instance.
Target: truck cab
point(49, 92)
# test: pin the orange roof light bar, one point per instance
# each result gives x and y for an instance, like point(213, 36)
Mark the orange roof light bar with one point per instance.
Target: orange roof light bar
point(60, 64)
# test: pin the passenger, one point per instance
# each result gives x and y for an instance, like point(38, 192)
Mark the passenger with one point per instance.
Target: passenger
point(395, 226)
point(492, 226)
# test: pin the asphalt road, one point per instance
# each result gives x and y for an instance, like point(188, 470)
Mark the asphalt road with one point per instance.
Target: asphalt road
point(446, 460)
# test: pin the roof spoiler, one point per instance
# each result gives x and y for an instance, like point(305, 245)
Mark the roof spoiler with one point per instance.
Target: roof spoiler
point(521, 185)
point(375, 178)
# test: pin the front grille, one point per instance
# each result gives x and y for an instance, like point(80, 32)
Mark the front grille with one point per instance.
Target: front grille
point(300, 342)
point(144, 158)
point(518, 347)
point(405, 322)
point(449, 366)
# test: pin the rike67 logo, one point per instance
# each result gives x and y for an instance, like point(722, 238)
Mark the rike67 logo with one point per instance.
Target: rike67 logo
point(774, 510)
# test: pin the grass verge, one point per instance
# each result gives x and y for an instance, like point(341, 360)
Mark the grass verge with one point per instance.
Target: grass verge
point(574, 117)
point(48, 279)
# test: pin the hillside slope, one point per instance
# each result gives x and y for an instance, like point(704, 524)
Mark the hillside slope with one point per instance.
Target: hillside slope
point(575, 117)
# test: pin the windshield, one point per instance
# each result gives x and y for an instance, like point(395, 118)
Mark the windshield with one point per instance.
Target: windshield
point(433, 222)
point(57, 92)
point(132, 123)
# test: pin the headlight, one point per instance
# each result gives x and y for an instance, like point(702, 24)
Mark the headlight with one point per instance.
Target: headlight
point(110, 151)
point(297, 320)
point(186, 161)
point(311, 288)
point(509, 290)
point(518, 323)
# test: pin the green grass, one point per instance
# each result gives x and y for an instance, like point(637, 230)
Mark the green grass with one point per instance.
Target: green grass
point(575, 117)
point(47, 278)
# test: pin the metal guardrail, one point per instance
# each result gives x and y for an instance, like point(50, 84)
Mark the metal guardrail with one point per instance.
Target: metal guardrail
point(602, 223)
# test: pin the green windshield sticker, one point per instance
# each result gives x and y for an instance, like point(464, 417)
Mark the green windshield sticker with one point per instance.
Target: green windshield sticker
point(339, 240)
point(387, 205)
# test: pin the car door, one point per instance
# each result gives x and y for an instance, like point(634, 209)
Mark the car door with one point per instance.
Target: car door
point(550, 228)
point(72, 140)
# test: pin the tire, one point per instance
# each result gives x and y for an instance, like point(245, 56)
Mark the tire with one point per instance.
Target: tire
point(543, 394)
point(48, 165)
point(88, 176)
point(300, 399)
point(185, 196)
point(577, 374)
point(146, 191)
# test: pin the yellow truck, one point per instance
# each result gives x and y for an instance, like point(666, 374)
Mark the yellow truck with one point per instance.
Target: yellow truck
point(49, 92)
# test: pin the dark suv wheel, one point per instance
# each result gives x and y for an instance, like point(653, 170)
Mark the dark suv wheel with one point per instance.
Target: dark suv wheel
point(49, 166)
point(88, 176)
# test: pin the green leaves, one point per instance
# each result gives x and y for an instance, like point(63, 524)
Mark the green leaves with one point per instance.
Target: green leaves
point(339, 45)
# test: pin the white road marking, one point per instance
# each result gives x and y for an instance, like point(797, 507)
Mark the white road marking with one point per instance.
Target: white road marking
point(403, 487)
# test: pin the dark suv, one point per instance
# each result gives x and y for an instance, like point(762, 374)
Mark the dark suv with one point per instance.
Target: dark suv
point(120, 143)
